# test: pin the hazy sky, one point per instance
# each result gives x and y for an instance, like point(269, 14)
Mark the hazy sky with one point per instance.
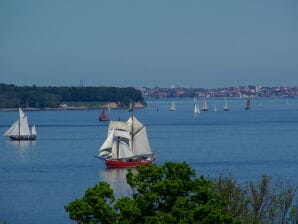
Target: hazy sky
point(210, 43)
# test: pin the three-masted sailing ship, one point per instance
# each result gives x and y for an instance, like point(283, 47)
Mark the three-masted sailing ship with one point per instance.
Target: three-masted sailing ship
point(126, 145)
point(20, 129)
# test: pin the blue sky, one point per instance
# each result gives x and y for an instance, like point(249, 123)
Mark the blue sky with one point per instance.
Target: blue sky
point(210, 43)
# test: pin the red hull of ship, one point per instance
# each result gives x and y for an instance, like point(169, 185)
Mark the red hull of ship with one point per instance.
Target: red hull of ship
point(119, 163)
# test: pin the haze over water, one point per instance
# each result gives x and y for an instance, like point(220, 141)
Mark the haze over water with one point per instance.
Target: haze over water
point(38, 178)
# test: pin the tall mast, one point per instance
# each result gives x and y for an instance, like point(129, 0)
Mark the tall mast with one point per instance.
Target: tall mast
point(19, 126)
point(118, 141)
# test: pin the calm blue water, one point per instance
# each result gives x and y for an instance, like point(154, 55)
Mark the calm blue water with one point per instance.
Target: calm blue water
point(38, 178)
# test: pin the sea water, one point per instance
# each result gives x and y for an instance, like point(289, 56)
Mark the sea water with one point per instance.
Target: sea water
point(38, 178)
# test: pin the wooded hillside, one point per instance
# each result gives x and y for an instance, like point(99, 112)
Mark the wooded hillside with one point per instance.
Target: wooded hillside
point(12, 96)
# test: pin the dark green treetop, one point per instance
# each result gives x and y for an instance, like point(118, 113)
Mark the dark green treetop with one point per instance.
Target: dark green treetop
point(170, 193)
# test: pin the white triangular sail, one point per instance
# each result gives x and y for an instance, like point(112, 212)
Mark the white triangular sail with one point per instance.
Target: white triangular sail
point(33, 130)
point(13, 130)
point(196, 109)
point(226, 106)
point(24, 127)
point(21, 113)
point(124, 150)
point(141, 144)
point(108, 142)
point(134, 125)
point(173, 106)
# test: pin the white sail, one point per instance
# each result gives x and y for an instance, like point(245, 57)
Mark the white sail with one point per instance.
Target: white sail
point(33, 130)
point(116, 145)
point(120, 149)
point(122, 134)
point(134, 125)
point(124, 150)
point(226, 107)
point(131, 106)
point(13, 130)
point(105, 154)
point(24, 127)
point(21, 113)
point(173, 106)
point(125, 140)
point(196, 109)
point(205, 105)
point(119, 125)
point(106, 149)
point(108, 142)
point(141, 144)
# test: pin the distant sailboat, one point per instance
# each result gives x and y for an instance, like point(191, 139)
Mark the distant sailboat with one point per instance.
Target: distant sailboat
point(215, 108)
point(226, 106)
point(197, 109)
point(20, 129)
point(247, 104)
point(205, 106)
point(104, 116)
point(173, 106)
point(131, 107)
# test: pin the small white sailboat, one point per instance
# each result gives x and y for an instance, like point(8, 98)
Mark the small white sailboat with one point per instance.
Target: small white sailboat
point(226, 106)
point(131, 107)
point(197, 109)
point(215, 108)
point(173, 106)
point(20, 129)
point(205, 106)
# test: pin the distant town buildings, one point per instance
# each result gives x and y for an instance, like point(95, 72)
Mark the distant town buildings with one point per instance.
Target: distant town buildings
point(236, 92)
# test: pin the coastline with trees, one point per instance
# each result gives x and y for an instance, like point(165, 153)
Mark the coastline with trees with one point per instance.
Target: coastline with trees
point(33, 97)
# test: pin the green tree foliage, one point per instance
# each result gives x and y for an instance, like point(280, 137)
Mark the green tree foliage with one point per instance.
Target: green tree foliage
point(169, 193)
point(41, 97)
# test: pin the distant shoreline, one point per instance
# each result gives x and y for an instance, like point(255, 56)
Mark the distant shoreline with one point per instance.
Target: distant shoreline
point(66, 107)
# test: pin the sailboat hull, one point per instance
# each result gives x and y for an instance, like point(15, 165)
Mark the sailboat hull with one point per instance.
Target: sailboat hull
point(119, 163)
point(23, 138)
point(131, 162)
